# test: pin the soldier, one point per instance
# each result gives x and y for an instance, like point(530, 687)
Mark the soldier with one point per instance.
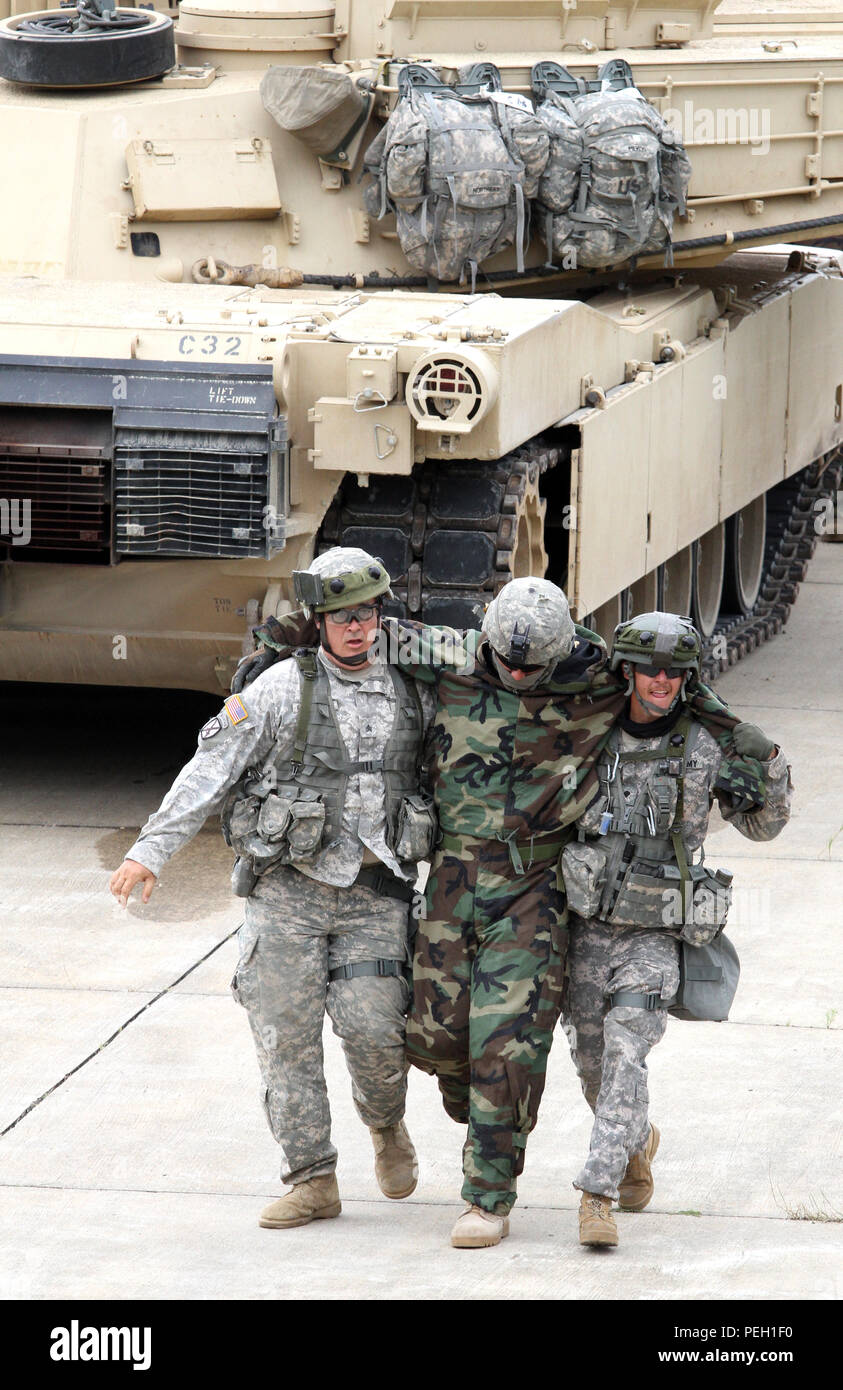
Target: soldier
point(316, 770)
point(523, 709)
point(634, 891)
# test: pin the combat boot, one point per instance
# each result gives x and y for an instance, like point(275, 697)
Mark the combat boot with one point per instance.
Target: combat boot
point(314, 1200)
point(396, 1168)
point(636, 1187)
point(597, 1224)
point(477, 1228)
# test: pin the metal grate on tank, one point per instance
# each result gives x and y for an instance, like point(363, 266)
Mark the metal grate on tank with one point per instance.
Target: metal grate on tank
point(66, 499)
point(185, 499)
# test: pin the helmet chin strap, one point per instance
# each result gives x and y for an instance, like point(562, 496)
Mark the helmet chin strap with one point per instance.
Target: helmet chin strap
point(658, 710)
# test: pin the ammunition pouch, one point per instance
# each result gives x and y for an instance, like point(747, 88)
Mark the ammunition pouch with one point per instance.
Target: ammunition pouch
point(649, 893)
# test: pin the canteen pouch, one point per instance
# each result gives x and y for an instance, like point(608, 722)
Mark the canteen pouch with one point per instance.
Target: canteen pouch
point(583, 869)
point(708, 981)
point(710, 899)
point(416, 828)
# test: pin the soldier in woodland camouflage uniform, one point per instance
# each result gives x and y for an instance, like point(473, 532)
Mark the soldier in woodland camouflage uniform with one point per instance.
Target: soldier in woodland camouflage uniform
point(316, 772)
point(511, 752)
point(634, 892)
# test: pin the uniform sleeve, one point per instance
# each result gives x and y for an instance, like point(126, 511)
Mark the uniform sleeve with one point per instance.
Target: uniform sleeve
point(423, 651)
point(773, 816)
point(229, 744)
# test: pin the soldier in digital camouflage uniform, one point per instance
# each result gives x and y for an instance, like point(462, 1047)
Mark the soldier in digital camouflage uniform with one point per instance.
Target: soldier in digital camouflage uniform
point(634, 891)
point(511, 765)
point(313, 768)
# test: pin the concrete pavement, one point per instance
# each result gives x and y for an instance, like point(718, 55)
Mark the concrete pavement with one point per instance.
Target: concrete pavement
point(142, 1158)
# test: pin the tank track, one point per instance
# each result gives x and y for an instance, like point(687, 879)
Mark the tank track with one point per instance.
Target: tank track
point(790, 542)
point(450, 532)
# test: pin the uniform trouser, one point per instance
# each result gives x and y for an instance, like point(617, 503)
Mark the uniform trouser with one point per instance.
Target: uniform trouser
point(610, 1045)
point(487, 990)
point(295, 931)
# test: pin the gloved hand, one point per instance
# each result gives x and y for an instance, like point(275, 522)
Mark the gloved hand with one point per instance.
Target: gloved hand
point(753, 742)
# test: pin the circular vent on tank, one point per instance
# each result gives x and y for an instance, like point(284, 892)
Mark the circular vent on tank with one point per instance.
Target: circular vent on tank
point(451, 391)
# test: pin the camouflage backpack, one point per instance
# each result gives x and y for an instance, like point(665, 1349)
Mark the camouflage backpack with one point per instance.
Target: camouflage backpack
point(619, 201)
point(458, 166)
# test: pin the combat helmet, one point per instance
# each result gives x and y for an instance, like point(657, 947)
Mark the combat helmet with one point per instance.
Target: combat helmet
point(529, 624)
point(663, 641)
point(341, 578)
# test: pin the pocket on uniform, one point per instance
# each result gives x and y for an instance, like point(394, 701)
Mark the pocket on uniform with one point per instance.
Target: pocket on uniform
point(247, 940)
point(583, 869)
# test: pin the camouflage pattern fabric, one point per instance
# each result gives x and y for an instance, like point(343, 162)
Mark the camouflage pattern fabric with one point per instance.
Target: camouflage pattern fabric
point(631, 181)
point(609, 1046)
point(296, 930)
point(257, 731)
point(457, 172)
point(487, 985)
point(701, 776)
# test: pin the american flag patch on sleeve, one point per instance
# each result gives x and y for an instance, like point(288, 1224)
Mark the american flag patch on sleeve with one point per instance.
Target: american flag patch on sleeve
point(237, 711)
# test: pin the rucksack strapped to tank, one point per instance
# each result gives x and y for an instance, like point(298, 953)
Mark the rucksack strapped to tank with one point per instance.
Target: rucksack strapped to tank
point(458, 166)
point(616, 174)
point(462, 164)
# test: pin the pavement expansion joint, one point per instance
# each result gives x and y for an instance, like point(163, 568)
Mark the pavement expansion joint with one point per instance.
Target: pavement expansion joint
point(123, 1026)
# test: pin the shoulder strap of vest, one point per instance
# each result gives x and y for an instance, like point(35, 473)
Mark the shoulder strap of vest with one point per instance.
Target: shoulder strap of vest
point(306, 662)
point(684, 727)
point(402, 682)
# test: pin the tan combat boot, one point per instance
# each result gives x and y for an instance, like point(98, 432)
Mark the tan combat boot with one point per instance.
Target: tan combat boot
point(636, 1187)
point(396, 1168)
point(315, 1200)
point(477, 1228)
point(597, 1224)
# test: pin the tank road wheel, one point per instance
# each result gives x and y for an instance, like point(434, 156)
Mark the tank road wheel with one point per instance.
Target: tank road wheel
point(710, 551)
point(44, 49)
point(745, 544)
point(452, 534)
point(676, 582)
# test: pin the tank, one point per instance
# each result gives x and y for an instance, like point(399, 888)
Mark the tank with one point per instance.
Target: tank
point(224, 343)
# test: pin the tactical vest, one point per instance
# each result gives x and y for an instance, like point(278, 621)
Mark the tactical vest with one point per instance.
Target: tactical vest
point(635, 871)
point(292, 809)
point(320, 764)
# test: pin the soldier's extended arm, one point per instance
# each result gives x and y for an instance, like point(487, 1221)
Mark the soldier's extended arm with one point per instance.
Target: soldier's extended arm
point(274, 640)
point(242, 734)
point(754, 758)
point(415, 647)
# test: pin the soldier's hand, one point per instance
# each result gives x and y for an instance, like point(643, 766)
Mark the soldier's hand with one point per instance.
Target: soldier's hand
point(753, 742)
point(124, 879)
